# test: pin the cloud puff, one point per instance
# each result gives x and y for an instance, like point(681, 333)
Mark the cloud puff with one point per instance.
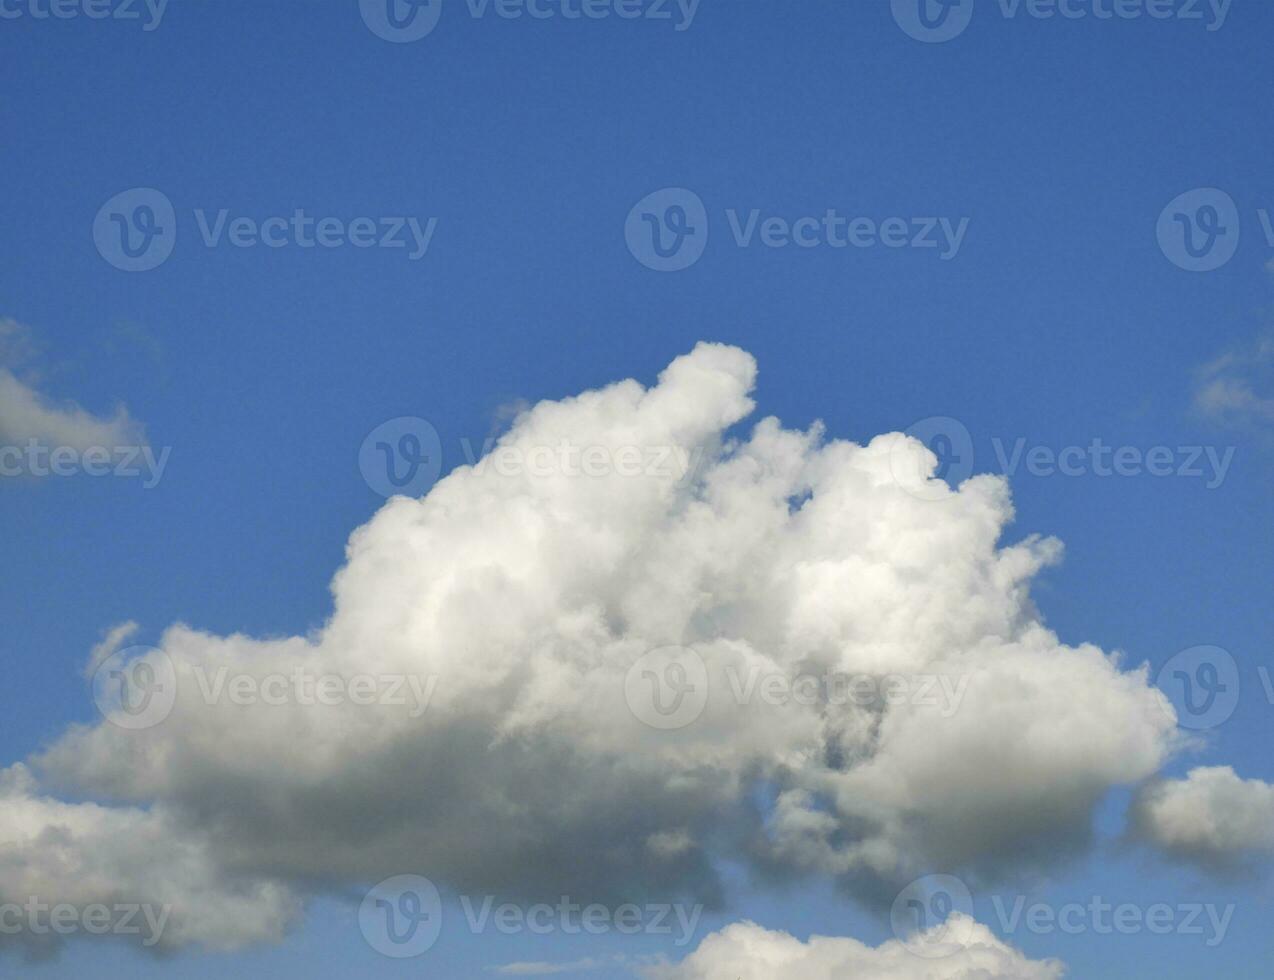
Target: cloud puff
point(1238, 386)
point(746, 951)
point(1212, 816)
point(519, 599)
point(84, 855)
point(27, 415)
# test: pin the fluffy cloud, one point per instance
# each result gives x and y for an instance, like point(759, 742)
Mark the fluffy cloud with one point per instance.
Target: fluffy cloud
point(121, 857)
point(746, 951)
point(519, 598)
point(1212, 816)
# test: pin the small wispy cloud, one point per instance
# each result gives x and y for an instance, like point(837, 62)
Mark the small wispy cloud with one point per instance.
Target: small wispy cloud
point(28, 415)
point(1238, 386)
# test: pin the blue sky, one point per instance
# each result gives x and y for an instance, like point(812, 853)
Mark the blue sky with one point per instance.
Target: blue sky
point(1058, 320)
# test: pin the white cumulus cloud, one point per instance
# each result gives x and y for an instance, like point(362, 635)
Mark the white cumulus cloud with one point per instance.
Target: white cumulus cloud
point(746, 951)
point(1212, 816)
point(519, 599)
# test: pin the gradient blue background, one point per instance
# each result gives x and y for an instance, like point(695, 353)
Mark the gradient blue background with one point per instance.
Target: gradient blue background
point(1059, 321)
